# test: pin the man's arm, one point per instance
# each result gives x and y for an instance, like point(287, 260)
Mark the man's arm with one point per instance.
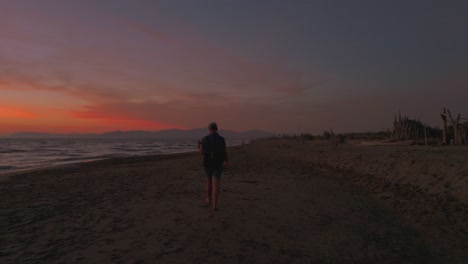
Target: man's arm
point(200, 146)
point(225, 154)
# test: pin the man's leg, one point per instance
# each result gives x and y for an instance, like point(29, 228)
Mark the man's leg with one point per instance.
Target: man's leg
point(215, 192)
point(208, 189)
point(218, 172)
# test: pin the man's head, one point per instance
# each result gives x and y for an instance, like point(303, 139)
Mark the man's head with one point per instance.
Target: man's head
point(213, 127)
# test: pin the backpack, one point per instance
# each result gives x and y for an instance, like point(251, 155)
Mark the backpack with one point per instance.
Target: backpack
point(215, 151)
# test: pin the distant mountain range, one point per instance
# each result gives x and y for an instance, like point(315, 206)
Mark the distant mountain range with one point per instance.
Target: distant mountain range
point(169, 133)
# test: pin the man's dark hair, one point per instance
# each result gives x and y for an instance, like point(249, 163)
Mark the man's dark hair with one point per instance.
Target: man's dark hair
point(213, 126)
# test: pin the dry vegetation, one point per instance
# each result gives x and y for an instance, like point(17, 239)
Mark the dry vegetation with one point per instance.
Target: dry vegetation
point(406, 130)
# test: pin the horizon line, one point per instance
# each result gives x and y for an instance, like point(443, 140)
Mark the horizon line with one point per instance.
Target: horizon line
point(125, 131)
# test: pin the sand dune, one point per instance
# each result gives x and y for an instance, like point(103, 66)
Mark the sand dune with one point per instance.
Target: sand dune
point(281, 202)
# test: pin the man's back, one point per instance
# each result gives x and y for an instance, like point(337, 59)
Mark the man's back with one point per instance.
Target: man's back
point(214, 149)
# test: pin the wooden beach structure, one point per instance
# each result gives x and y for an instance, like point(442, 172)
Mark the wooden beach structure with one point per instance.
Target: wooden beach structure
point(457, 132)
point(405, 128)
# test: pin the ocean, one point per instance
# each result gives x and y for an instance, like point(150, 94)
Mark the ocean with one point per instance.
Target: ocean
point(19, 153)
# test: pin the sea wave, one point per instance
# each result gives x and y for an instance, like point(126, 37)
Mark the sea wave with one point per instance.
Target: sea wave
point(7, 168)
point(6, 151)
point(19, 154)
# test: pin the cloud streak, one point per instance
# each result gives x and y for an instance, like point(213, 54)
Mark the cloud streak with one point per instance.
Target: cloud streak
point(199, 79)
point(12, 112)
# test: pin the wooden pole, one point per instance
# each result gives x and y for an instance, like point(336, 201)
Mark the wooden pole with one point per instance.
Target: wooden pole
point(417, 135)
point(408, 133)
point(444, 132)
point(425, 135)
point(455, 126)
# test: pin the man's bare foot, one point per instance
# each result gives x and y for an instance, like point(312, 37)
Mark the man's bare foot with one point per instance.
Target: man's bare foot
point(207, 201)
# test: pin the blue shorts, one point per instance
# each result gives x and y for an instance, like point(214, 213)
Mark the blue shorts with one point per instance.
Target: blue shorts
point(214, 171)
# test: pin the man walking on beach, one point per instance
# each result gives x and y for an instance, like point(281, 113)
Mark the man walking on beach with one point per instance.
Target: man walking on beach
point(213, 149)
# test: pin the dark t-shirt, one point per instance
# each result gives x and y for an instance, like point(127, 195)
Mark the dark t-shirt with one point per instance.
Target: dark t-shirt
point(214, 149)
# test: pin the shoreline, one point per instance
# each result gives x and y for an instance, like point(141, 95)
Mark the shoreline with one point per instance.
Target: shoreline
point(5, 175)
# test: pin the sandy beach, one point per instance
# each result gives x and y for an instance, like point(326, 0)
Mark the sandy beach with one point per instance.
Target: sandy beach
point(281, 201)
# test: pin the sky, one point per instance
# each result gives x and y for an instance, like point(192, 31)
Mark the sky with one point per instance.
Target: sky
point(281, 66)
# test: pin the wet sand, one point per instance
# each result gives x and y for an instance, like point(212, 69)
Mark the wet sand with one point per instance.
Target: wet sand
point(281, 201)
